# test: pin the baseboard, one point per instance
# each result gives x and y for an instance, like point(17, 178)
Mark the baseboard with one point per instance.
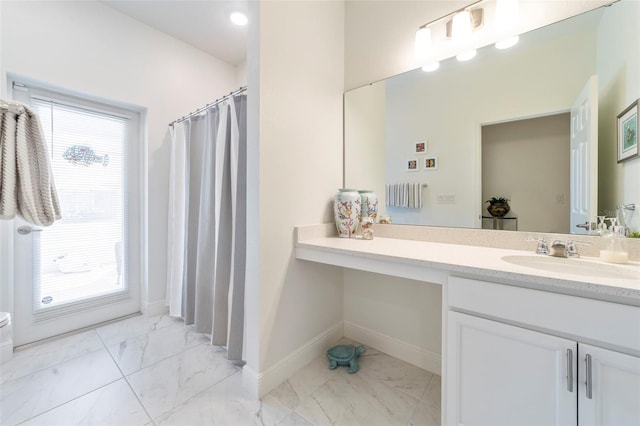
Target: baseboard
point(306, 353)
point(250, 381)
point(6, 351)
point(156, 307)
point(423, 358)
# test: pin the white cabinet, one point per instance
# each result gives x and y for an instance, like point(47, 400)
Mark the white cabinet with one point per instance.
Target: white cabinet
point(609, 389)
point(499, 374)
point(516, 356)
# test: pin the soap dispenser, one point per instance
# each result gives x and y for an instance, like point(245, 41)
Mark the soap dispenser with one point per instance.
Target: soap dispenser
point(614, 246)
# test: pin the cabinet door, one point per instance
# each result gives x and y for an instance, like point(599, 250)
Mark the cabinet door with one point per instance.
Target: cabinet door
point(609, 387)
point(498, 374)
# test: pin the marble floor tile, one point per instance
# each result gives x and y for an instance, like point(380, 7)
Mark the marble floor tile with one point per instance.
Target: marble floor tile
point(226, 403)
point(28, 396)
point(163, 386)
point(352, 400)
point(141, 351)
point(45, 355)
point(294, 419)
point(380, 367)
point(135, 326)
point(114, 404)
point(425, 415)
point(304, 382)
point(428, 410)
point(432, 394)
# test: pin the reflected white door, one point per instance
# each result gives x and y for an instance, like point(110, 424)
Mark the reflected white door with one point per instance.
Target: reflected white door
point(584, 158)
point(79, 271)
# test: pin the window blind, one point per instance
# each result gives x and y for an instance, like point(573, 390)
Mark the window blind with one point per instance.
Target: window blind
point(83, 255)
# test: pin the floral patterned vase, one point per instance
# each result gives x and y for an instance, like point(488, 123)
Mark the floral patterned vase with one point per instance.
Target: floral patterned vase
point(346, 209)
point(369, 202)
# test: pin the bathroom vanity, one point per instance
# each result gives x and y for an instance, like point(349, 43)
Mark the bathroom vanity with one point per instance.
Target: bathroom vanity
point(526, 339)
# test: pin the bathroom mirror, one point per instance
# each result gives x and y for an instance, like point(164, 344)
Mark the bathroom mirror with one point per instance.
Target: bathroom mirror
point(487, 125)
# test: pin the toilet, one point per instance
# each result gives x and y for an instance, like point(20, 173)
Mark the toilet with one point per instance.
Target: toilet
point(6, 337)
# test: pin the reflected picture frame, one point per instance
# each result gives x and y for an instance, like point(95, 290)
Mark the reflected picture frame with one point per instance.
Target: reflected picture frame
point(413, 165)
point(430, 163)
point(627, 131)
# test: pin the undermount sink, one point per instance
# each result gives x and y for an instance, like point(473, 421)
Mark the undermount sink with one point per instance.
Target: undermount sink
point(576, 266)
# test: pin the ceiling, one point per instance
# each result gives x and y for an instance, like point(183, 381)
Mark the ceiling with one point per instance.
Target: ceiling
point(203, 24)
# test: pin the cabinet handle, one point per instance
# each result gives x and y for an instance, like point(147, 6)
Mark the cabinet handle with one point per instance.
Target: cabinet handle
point(589, 375)
point(569, 370)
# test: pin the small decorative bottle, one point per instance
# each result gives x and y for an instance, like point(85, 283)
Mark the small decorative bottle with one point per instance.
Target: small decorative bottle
point(367, 228)
point(369, 202)
point(346, 210)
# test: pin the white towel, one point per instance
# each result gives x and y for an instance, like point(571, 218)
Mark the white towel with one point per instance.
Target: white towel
point(26, 181)
point(408, 195)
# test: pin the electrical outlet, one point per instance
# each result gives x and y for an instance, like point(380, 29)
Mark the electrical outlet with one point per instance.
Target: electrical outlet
point(559, 198)
point(446, 199)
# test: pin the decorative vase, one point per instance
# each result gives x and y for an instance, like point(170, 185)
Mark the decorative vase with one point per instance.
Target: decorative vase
point(346, 209)
point(498, 209)
point(369, 204)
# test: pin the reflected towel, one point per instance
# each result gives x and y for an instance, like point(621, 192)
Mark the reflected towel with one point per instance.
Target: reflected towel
point(407, 195)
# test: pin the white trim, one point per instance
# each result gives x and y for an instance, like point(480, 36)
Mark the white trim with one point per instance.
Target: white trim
point(6, 351)
point(157, 307)
point(420, 357)
point(302, 356)
point(136, 218)
point(250, 381)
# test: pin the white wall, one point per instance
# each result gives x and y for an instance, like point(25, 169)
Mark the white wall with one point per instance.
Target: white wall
point(241, 74)
point(399, 316)
point(90, 48)
point(299, 138)
point(619, 86)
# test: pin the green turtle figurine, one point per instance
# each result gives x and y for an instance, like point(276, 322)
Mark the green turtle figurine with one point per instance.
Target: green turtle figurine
point(345, 355)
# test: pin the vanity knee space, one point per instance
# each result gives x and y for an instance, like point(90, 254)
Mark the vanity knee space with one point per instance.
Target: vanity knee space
point(521, 356)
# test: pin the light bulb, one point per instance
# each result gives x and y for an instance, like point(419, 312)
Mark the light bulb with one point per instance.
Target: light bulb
point(466, 55)
point(507, 43)
point(461, 27)
point(239, 18)
point(422, 45)
point(431, 66)
point(507, 15)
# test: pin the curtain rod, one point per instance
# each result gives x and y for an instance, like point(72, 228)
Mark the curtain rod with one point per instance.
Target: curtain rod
point(216, 102)
point(11, 107)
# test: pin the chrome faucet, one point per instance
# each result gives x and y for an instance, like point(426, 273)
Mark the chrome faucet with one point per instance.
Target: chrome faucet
point(569, 249)
point(558, 249)
point(542, 247)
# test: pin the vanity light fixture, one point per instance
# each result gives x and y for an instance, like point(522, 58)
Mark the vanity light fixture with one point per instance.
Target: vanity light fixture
point(423, 50)
point(507, 16)
point(239, 18)
point(457, 29)
point(467, 55)
point(461, 27)
point(431, 66)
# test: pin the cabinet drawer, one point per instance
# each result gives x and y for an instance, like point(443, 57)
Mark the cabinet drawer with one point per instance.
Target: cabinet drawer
point(583, 319)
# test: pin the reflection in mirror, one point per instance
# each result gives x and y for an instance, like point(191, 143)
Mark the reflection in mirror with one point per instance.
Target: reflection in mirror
point(499, 126)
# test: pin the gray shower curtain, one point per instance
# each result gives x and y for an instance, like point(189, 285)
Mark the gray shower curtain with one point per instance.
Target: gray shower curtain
point(207, 234)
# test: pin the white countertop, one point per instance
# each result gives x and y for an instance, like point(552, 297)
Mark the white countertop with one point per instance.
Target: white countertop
point(434, 262)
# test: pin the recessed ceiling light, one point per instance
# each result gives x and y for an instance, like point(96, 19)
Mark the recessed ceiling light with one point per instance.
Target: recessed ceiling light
point(239, 18)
